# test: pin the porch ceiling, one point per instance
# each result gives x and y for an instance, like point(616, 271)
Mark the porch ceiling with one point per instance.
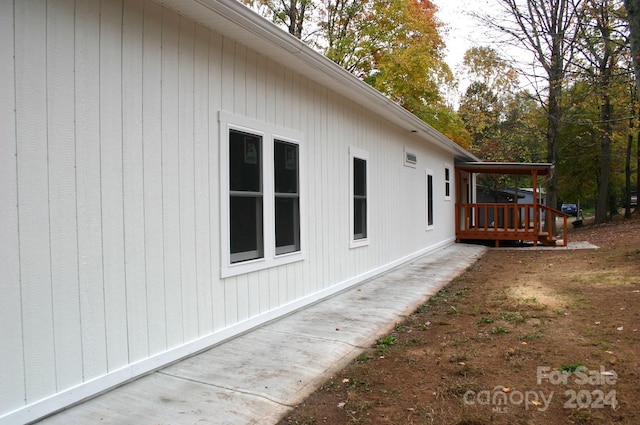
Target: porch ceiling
point(541, 168)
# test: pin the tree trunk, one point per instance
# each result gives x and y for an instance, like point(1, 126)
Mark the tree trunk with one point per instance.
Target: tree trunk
point(556, 76)
point(627, 174)
point(636, 211)
point(633, 15)
point(602, 202)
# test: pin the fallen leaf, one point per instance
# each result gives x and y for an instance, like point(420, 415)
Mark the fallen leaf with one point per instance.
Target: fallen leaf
point(345, 381)
point(536, 402)
point(341, 405)
point(621, 328)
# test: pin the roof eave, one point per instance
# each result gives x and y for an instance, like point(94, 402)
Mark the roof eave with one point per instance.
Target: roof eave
point(515, 168)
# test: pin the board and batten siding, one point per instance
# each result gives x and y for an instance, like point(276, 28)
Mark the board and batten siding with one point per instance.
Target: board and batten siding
point(110, 195)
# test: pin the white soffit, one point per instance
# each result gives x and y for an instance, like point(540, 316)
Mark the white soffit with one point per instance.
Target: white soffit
point(234, 20)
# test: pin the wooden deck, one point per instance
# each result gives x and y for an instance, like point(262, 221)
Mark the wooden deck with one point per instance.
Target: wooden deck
point(510, 222)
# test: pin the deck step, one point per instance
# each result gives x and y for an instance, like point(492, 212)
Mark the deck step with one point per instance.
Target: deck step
point(547, 240)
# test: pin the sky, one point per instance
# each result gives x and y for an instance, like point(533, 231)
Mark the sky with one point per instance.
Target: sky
point(462, 31)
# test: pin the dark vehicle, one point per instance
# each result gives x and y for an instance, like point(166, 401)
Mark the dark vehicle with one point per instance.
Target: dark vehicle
point(633, 200)
point(571, 209)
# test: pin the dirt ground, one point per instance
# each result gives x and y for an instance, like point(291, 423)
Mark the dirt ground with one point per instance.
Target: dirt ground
point(522, 337)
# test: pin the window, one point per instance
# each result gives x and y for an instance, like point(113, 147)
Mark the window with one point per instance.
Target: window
point(447, 182)
point(262, 208)
point(287, 197)
point(359, 196)
point(429, 198)
point(245, 196)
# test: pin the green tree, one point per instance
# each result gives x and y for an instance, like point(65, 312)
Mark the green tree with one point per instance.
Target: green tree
point(602, 47)
point(633, 18)
point(393, 45)
point(502, 120)
point(344, 27)
point(548, 30)
point(406, 53)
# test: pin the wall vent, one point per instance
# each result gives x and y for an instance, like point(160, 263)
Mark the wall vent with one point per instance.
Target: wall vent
point(410, 158)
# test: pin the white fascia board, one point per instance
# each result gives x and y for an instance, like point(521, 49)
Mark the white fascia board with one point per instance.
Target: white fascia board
point(235, 20)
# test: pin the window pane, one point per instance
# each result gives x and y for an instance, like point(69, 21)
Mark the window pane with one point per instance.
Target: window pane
point(287, 225)
point(245, 218)
point(245, 162)
point(359, 177)
point(359, 218)
point(286, 167)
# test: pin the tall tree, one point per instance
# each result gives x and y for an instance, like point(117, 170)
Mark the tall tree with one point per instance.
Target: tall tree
point(602, 45)
point(344, 28)
point(483, 105)
point(502, 119)
point(547, 29)
point(633, 17)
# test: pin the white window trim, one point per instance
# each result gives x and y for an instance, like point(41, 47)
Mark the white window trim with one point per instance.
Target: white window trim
point(269, 133)
point(359, 154)
point(447, 183)
point(429, 172)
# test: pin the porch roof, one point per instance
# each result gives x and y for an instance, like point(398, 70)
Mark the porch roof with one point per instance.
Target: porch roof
point(540, 168)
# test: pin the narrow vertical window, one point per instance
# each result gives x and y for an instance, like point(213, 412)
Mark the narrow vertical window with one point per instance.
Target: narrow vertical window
point(359, 193)
point(245, 197)
point(429, 199)
point(359, 198)
point(447, 183)
point(287, 197)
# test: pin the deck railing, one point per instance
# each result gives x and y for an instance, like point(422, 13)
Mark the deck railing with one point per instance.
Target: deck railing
point(511, 222)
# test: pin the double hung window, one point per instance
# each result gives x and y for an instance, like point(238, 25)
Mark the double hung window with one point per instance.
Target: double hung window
point(262, 208)
point(447, 182)
point(359, 211)
point(429, 197)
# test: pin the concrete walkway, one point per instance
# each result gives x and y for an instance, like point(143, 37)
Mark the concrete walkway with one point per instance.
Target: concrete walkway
point(258, 377)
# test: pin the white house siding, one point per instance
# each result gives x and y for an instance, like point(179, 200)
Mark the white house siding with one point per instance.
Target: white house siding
point(109, 194)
